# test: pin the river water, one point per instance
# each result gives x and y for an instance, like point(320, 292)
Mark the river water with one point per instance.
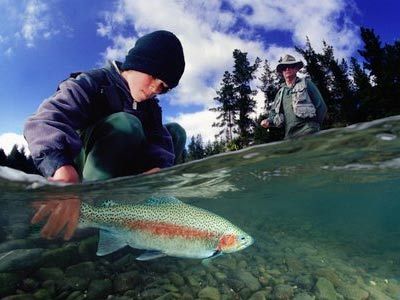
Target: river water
point(323, 210)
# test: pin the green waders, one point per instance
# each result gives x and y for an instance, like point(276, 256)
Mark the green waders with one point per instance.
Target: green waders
point(114, 147)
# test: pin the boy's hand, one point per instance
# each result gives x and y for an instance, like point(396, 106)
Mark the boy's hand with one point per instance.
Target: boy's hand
point(60, 214)
point(66, 174)
point(264, 123)
point(152, 171)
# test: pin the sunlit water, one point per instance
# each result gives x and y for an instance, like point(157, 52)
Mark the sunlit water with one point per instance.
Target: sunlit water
point(323, 210)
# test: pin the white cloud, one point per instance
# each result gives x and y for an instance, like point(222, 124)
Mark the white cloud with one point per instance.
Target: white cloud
point(209, 35)
point(36, 22)
point(29, 21)
point(9, 52)
point(9, 140)
point(197, 123)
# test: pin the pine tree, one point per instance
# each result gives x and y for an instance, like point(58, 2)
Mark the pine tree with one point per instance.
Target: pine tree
point(226, 108)
point(195, 148)
point(243, 74)
point(17, 160)
point(3, 158)
point(270, 83)
point(363, 91)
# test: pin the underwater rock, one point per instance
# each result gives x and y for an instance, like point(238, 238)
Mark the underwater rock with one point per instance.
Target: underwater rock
point(43, 294)
point(169, 296)
point(152, 293)
point(15, 244)
point(76, 295)
point(85, 269)
point(126, 281)
point(235, 284)
point(260, 295)
point(376, 294)
point(49, 274)
point(329, 274)
point(226, 262)
point(61, 257)
point(87, 248)
point(220, 276)
point(324, 289)
point(99, 289)
point(209, 293)
point(176, 279)
point(126, 263)
point(50, 285)
point(8, 283)
point(305, 282)
point(352, 292)
point(19, 297)
point(29, 285)
point(193, 281)
point(75, 283)
point(294, 264)
point(303, 296)
point(249, 280)
point(245, 293)
point(283, 292)
point(20, 259)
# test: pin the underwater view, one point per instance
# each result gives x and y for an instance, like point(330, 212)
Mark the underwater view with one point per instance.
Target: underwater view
point(313, 218)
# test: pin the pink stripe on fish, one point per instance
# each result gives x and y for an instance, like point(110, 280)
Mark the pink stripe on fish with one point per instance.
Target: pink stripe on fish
point(170, 230)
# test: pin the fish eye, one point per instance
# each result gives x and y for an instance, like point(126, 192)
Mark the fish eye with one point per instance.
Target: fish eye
point(242, 238)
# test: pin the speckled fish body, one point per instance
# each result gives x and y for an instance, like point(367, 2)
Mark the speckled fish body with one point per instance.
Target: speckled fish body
point(164, 226)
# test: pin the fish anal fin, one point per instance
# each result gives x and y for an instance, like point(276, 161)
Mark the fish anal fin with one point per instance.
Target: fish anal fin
point(148, 255)
point(108, 243)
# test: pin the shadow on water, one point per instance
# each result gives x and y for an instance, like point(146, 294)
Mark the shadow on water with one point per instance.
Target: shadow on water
point(323, 211)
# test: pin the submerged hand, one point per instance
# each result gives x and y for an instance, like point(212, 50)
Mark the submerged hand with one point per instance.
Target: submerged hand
point(264, 123)
point(60, 214)
point(152, 171)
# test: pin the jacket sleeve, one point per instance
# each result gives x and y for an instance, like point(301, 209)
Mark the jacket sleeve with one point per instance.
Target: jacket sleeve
point(272, 112)
point(160, 150)
point(52, 132)
point(317, 100)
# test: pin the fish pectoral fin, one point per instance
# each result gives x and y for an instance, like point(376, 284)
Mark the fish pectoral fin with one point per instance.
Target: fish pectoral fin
point(148, 255)
point(108, 243)
point(206, 261)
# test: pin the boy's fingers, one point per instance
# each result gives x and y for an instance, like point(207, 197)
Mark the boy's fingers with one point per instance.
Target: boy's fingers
point(43, 210)
point(73, 221)
point(55, 223)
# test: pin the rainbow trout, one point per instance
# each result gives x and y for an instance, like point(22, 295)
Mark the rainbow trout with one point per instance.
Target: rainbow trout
point(164, 227)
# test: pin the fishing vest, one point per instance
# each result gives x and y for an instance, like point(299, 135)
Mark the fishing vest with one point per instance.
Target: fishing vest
point(302, 105)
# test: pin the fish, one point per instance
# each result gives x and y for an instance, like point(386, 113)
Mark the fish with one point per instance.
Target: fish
point(163, 226)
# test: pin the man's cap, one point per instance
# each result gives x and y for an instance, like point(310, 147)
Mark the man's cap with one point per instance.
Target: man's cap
point(288, 60)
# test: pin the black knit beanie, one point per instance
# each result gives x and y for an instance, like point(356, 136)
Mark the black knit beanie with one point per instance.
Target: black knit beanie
point(159, 54)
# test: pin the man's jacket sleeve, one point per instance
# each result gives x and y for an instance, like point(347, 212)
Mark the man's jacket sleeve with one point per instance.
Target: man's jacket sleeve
point(52, 132)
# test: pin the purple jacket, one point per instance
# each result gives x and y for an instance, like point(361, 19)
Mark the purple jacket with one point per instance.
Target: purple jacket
point(81, 101)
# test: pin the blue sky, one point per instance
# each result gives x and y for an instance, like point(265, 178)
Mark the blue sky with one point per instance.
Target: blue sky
point(41, 42)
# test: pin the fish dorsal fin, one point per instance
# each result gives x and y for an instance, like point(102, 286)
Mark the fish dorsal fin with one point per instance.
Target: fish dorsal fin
point(148, 255)
point(162, 200)
point(109, 203)
point(108, 243)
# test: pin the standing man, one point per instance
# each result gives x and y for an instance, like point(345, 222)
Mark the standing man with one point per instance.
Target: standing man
point(106, 122)
point(298, 105)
